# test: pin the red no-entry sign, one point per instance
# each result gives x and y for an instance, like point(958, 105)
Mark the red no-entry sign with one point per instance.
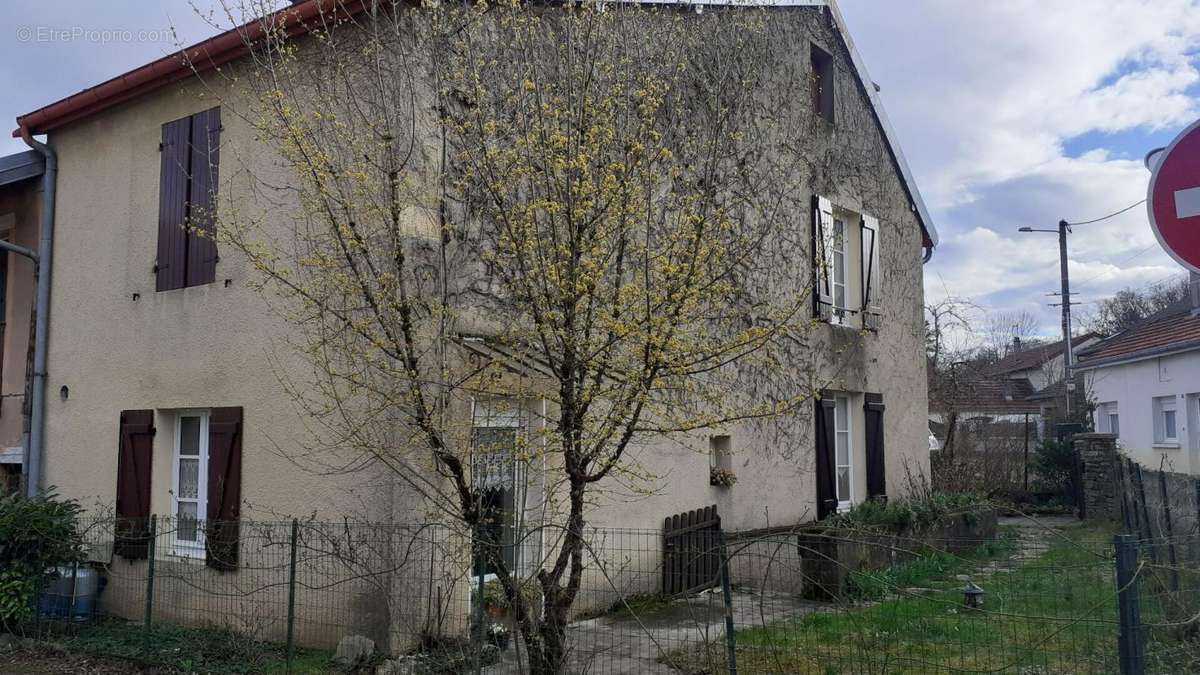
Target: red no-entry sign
point(1173, 200)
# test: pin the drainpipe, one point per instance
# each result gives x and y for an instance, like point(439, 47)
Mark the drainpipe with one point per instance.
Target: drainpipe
point(37, 422)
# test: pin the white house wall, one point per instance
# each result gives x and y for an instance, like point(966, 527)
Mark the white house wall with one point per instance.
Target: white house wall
point(1134, 386)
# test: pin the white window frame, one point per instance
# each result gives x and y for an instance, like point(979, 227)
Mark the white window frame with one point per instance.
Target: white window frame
point(1108, 412)
point(838, 418)
point(184, 548)
point(1161, 406)
point(839, 249)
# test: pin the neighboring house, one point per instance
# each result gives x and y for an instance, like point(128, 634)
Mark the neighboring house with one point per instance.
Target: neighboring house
point(1001, 403)
point(154, 329)
point(1145, 382)
point(1042, 366)
point(983, 412)
point(20, 210)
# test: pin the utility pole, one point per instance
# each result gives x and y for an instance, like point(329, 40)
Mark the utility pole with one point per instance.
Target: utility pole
point(1064, 228)
point(1068, 352)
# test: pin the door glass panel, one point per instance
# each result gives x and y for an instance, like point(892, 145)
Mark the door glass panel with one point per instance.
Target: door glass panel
point(843, 447)
point(843, 484)
point(189, 478)
point(187, 521)
point(189, 436)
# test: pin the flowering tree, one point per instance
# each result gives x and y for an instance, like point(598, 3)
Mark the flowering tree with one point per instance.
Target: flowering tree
point(597, 205)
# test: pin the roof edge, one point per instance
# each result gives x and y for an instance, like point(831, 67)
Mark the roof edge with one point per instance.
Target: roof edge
point(236, 42)
point(889, 134)
point(199, 57)
point(1142, 355)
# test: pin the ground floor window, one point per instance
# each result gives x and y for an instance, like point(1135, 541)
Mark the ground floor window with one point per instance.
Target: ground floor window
point(1166, 428)
point(497, 477)
point(189, 487)
point(1108, 418)
point(843, 451)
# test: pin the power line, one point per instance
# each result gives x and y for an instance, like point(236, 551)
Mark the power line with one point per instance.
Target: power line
point(1121, 263)
point(1115, 213)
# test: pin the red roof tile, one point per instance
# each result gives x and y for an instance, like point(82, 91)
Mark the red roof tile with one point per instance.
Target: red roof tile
point(1172, 327)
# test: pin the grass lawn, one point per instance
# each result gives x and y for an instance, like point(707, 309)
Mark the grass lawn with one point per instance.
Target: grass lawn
point(188, 650)
point(1054, 613)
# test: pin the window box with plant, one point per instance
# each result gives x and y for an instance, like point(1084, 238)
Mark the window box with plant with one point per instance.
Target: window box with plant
point(721, 477)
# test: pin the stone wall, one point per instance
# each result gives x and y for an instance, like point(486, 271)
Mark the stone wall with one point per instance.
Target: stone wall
point(830, 555)
point(1099, 471)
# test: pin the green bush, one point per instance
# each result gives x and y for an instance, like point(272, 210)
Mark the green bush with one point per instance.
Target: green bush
point(35, 535)
point(1054, 461)
point(903, 514)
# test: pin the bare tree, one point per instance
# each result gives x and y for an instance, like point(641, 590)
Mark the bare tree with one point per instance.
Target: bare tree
point(1002, 330)
point(1130, 305)
point(518, 201)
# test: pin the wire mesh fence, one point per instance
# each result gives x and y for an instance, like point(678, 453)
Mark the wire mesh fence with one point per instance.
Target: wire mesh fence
point(1023, 599)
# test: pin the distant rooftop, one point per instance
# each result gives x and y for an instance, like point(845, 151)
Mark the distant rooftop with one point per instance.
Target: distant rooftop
point(1170, 330)
point(21, 166)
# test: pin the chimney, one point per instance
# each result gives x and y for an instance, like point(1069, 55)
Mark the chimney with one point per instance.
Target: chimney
point(1016, 344)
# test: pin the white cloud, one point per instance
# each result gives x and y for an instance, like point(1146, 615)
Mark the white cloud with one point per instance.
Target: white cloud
point(984, 97)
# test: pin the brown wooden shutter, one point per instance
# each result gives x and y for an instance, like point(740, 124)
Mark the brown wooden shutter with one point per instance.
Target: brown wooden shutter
point(876, 466)
point(172, 204)
point(826, 465)
point(224, 488)
point(136, 448)
point(205, 158)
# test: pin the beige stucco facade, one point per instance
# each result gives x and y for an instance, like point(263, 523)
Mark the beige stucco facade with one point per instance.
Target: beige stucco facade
point(116, 344)
point(20, 213)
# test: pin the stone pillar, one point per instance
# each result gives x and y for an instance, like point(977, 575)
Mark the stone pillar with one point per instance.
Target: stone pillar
point(1101, 477)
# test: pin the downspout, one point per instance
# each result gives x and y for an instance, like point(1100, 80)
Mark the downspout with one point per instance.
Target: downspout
point(36, 440)
point(928, 254)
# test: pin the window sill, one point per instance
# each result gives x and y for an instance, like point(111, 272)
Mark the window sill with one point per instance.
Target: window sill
point(1166, 445)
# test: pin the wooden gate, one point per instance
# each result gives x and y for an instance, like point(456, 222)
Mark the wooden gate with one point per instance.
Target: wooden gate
point(691, 551)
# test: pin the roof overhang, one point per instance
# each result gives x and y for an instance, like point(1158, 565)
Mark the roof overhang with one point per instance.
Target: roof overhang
point(1165, 350)
point(201, 57)
point(303, 16)
point(21, 166)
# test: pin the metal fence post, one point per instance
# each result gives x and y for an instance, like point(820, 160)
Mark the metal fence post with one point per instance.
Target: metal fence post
point(727, 592)
point(1129, 639)
point(480, 631)
point(291, 619)
point(152, 553)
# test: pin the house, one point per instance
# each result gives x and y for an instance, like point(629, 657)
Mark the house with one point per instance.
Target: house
point(20, 211)
point(165, 361)
point(1145, 382)
point(1009, 403)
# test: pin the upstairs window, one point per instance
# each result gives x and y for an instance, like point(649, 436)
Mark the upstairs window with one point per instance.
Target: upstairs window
point(838, 271)
point(187, 191)
point(846, 266)
point(822, 83)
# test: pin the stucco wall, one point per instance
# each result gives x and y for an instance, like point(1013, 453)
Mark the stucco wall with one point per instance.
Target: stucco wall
point(20, 214)
point(1133, 386)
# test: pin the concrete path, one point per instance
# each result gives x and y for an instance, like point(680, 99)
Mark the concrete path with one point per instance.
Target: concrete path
point(624, 646)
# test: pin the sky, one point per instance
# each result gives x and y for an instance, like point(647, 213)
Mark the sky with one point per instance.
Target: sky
point(1011, 113)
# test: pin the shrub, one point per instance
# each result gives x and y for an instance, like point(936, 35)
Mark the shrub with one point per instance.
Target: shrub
point(35, 535)
point(1054, 461)
point(903, 514)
